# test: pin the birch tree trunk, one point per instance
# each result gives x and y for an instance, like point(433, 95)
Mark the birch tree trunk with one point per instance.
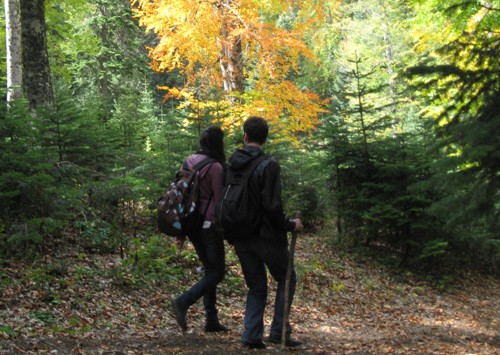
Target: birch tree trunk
point(36, 69)
point(389, 57)
point(13, 49)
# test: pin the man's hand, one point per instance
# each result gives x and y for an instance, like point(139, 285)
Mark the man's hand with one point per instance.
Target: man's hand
point(298, 225)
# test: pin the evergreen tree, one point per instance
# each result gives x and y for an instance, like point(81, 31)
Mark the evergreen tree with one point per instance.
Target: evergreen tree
point(375, 145)
point(459, 78)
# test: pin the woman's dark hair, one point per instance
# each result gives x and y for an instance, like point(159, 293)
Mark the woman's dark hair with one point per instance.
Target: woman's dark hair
point(256, 129)
point(212, 144)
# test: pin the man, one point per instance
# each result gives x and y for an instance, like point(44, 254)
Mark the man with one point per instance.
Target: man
point(269, 246)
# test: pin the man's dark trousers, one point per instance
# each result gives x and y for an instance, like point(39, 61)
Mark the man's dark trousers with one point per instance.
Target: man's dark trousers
point(254, 255)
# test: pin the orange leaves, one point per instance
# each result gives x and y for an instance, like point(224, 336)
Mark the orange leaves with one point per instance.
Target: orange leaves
point(379, 311)
point(289, 109)
point(187, 28)
point(186, 32)
point(235, 47)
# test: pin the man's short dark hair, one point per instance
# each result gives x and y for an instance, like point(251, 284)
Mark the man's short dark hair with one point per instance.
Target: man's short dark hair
point(256, 129)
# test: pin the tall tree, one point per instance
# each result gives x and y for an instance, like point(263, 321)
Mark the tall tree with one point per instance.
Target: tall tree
point(102, 56)
point(373, 154)
point(458, 79)
point(237, 48)
point(13, 49)
point(36, 68)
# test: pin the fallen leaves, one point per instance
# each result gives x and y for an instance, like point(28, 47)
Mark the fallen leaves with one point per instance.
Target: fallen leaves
point(371, 313)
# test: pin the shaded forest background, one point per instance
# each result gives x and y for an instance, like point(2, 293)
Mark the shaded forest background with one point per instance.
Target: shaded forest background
point(403, 158)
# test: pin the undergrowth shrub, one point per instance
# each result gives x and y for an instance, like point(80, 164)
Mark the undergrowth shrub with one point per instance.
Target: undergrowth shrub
point(156, 260)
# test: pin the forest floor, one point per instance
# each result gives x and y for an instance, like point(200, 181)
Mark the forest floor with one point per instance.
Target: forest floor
point(344, 304)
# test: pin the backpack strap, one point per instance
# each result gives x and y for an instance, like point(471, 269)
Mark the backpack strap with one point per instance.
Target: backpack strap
point(199, 165)
point(248, 170)
point(208, 205)
point(254, 164)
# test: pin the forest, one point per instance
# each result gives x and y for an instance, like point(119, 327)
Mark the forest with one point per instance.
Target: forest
point(383, 114)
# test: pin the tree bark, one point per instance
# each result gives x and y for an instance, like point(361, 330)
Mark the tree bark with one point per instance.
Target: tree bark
point(36, 69)
point(361, 110)
point(13, 49)
point(231, 56)
point(390, 72)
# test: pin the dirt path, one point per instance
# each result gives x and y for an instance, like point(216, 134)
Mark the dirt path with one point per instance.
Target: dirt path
point(343, 306)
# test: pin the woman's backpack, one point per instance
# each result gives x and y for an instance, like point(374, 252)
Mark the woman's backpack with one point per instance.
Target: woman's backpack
point(177, 210)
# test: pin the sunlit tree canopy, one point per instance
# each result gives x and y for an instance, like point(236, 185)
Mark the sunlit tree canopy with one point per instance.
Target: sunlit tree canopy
point(238, 57)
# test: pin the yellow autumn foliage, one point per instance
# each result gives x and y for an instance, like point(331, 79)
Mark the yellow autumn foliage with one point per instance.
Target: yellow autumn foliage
point(236, 48)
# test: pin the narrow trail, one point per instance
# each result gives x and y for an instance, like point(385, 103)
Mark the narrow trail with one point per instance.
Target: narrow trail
point(343, 305)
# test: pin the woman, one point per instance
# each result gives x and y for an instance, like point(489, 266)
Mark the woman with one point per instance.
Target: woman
point(208, 244)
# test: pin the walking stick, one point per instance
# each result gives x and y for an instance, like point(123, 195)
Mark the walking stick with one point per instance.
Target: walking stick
point(286, 310)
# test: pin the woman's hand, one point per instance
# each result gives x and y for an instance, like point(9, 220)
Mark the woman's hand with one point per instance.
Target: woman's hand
point(179, 243)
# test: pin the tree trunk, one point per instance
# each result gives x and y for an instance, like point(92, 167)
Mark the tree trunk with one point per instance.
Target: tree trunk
point(231, 64)
point(392, 85)
point(361, 110)
point(231, 56)
point(13, 48)
point(36, 69)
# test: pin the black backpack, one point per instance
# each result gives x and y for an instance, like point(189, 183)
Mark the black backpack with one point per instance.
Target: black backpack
point(237, 215)
point(177, 210)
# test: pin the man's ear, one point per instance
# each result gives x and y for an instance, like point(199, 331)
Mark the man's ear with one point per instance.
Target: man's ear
point(245, 138)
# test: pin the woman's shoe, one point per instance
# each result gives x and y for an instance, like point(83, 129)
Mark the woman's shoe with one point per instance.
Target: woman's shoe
point(179, 312)
point(212, 327)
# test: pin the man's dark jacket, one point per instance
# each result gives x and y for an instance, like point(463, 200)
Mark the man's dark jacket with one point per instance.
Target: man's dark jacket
point(265, 188)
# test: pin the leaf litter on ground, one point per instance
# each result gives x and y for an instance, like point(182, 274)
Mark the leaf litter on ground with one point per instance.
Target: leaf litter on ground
point(343, 305)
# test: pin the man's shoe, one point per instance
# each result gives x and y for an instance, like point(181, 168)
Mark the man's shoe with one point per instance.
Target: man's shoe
point(179, 312)
point(288, 342)
point(257, 345)
point(212, 327)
